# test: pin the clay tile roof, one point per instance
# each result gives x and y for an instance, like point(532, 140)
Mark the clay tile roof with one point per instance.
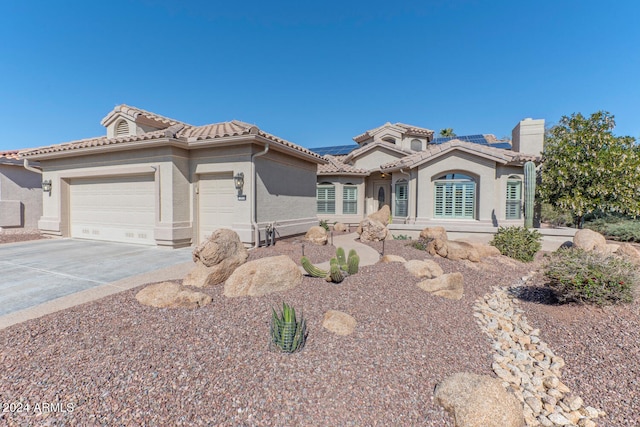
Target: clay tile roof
point(498, 154)
point(95, 142)
point(409, 130)
point(135, 112)
point(336, 167)
point(11, 155)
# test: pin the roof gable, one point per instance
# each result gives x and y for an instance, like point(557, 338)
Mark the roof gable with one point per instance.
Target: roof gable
point(497, 155)
point(397, 130)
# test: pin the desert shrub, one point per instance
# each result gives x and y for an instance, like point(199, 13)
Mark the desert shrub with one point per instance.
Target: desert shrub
point(401, 237)
point(324, 224)
point(616, 228)
point(517, 242)
point(555, 216)
point(590, 277)
point(420, 244)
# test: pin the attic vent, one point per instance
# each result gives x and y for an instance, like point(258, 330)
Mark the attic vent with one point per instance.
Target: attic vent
point(122, 129)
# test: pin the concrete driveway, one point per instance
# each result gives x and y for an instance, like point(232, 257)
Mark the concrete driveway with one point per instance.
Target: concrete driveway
point(40, 271)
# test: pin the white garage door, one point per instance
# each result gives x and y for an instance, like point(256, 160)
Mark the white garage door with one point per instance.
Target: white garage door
point(215, 203)
point(118, 209)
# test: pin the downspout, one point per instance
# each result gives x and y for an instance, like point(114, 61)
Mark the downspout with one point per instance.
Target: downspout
point(254, 202)
point(31, 168)
point(406, 219)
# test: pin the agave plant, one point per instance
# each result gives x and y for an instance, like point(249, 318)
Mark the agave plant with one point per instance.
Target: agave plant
point(287, 333)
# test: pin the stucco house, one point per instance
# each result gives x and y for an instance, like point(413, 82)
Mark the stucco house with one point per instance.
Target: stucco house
point(20, 194)
point(158, 181)
point(473, 180)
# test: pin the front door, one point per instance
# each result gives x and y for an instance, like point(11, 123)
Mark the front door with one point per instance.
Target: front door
point(381, 195)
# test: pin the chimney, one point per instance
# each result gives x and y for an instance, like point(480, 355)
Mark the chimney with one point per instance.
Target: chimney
point(528, 136)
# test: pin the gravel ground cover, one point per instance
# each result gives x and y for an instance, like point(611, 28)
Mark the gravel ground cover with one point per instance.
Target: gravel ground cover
point(12, 236)
point(115, 362)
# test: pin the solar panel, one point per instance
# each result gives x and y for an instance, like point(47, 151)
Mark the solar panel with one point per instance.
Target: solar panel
point(476, 139)
point(336, 150)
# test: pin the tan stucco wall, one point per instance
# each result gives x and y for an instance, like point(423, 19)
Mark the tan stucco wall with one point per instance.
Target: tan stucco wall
point(167, 164)
point(481, 169)
point(286, 192)
point(232, 159)
point(20, 197)
point(374, 158)
point(340, 182)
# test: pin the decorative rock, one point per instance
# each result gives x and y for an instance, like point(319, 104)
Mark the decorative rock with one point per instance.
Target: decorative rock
point(629, 252)
point(338, 226)
point(559, 419)
point(589, 240)
point(527, 365)
point(372, 230)
point(431, 233)
point(420, 269)
point(171, 295)
point(392, 258)
point(437, 247)
point(263, 276)
point(478, 401)
point(216, 258)
point(317, 235)
point(338, 322)
point(573, 402)
point(448, 286)
point(462, 250)
point(382, 215)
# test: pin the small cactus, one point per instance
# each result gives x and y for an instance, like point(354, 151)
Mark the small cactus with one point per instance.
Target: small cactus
point(336, 273)
point(339, 267)
point(342, 260)
point(353, 263)
point(312, 269)
point(287, 333)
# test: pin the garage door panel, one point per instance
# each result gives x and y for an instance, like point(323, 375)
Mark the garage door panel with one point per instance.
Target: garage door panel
point(216, 200)
point(120, 209)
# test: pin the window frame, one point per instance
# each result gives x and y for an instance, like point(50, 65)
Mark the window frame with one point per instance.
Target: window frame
point(351, 201)
point(398, 201)
point(513, 206)
point(457, 193)
point(328, 201)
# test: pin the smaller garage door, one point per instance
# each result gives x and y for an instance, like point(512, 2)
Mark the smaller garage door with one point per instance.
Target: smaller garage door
point(116, 209)
point(216, 199)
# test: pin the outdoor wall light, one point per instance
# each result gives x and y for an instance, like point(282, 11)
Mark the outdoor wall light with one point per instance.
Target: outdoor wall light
point(238, 181)
point(46, 186)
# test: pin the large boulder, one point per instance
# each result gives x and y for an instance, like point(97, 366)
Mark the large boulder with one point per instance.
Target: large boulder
point(263, 276)
point(462, 250)
point(423, 269)
point(392, 258)
point(438, 247)
point(479, 401)
point(448, 286)
point(431, 233)
point(589, 240)
point(338, 322)
point(338, 226)
point(629, 252)
point(382, 215)
point(171, 295)
point(372, 230)
point(221, 245)
point(317, 235)
point(216, 258)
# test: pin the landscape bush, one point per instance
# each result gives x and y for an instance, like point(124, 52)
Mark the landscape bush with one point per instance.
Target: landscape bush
point(616, 228)
point(591, 277)
point(324, 224)
point(401, 237)
point(420, 244)
point(555, 217)
point(517, 242)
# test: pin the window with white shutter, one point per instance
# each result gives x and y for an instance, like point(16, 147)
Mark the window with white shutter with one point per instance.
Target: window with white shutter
point(349, 199)
point(401, 209)
point(326, 198)
point(455, 196)
point(514, 198)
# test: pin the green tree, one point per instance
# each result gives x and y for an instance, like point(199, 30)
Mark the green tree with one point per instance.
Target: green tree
point(585, 168)
point(447, 132)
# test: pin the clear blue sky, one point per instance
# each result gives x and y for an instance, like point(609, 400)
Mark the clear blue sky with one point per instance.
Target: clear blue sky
point(315, 73)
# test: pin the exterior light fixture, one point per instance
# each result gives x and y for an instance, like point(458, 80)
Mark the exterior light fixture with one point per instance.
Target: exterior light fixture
point(46, 186)
point(238, 182)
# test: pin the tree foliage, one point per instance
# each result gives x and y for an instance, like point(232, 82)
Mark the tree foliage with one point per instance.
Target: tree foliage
point(585, 168)
point(447, 132)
